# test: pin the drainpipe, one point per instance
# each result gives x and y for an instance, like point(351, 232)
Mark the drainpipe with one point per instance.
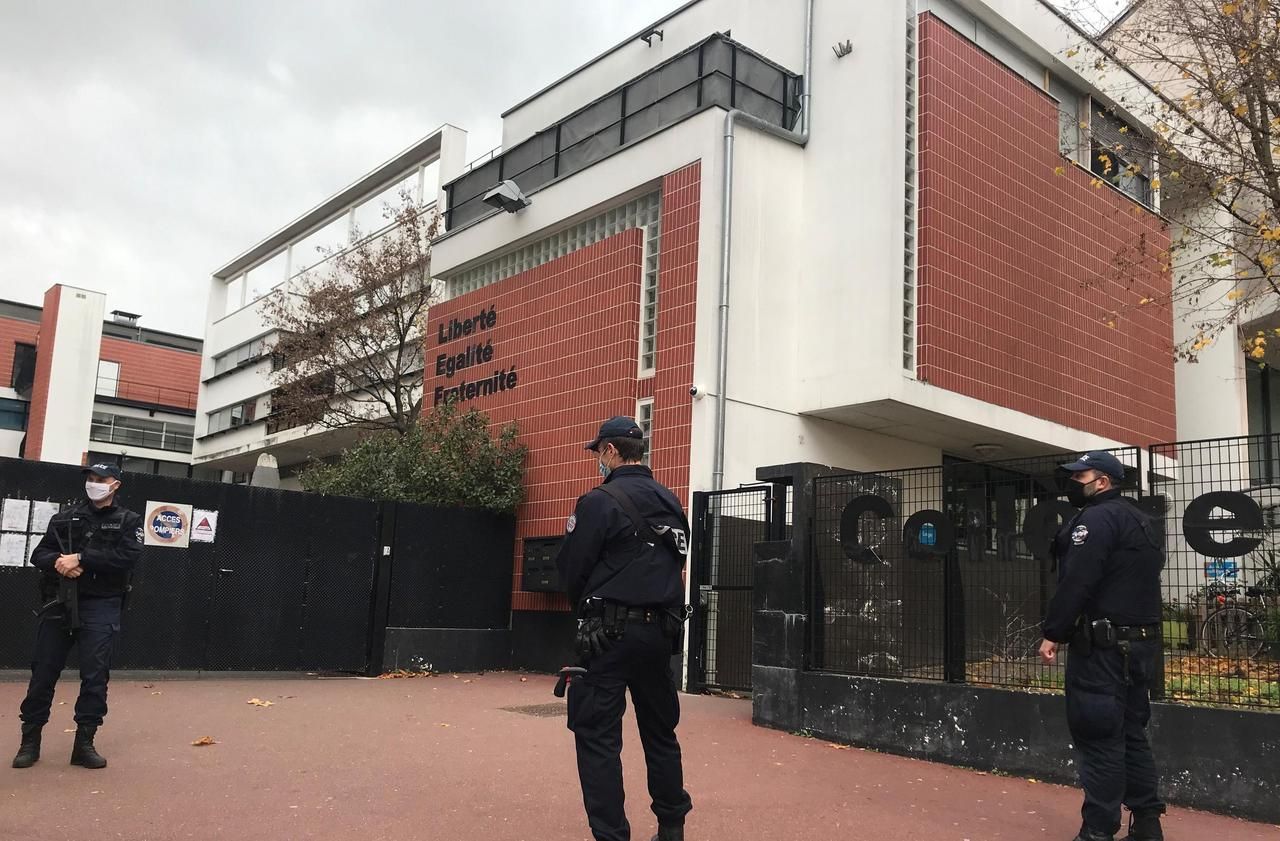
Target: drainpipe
point(800, 138)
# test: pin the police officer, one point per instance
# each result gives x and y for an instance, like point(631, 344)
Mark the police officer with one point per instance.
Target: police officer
point(94, 544)
point(622, 559)
point(1107, 607)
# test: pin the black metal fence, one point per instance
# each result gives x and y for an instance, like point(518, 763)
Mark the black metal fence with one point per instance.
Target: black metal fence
point(939, 573)
point(1221, 623)
point(290, 582)
point(727, 526)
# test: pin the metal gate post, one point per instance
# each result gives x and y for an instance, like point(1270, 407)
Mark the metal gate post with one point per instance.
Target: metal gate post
point(380, 602)
point(697, 677)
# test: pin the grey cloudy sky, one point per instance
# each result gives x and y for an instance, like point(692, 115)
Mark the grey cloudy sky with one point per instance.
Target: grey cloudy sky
point(143, 143)
point(146, 143)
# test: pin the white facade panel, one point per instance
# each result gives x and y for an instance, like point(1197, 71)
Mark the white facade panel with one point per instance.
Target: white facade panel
point(73, 375)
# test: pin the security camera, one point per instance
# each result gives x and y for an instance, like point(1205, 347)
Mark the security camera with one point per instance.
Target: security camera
point(697, 392)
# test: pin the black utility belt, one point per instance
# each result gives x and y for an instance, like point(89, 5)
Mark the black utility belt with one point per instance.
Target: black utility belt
point(1104, 633)
point(622, 613)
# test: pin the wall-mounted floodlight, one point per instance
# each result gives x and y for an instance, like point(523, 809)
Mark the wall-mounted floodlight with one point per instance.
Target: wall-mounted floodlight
point(648, 37)
point(508, 197)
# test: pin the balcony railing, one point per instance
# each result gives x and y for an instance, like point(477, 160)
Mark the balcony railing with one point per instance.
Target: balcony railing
point(715, 72)
point(141, 432)
point(171, 397)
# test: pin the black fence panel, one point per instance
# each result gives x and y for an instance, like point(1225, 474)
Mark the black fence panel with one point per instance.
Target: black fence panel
point(939, 573)
point(875, 610)
point(452, 568)
point(1221, 623)
point(727, 526)
point(286, 584)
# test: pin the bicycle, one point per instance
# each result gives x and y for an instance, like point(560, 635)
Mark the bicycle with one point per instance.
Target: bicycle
point(1234, 631)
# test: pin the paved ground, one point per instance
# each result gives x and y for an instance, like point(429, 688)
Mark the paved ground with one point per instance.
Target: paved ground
point(439, 758)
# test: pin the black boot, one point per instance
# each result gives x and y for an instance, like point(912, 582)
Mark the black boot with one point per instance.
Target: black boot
point(1087, 834)
point(669, 833)
point(1144, 825)
point(29, 750)
point(83, 753)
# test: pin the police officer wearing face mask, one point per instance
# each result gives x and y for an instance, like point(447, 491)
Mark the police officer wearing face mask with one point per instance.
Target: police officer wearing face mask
point(95, 545)
point(622, 559)
point(1107, 607)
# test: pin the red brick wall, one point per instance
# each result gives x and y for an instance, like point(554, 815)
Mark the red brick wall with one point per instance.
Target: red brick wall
point(151, 374)
point(677, 302)
point(14, 331)
point(1016, 272)
point(44, 365)
point(571, 328)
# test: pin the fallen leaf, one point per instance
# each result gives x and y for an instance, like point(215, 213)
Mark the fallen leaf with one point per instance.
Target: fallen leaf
point(148, 686)
point(838, 747)
point(441, 724)
point(69, 731)
point(524, 680)
point(157, 692)
point(467, 681)
point(258, 702)
point(203, 741)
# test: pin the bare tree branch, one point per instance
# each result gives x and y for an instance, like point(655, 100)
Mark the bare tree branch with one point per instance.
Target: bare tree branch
point(348, 352)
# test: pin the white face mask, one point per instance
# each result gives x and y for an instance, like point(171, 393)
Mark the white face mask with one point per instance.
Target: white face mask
point(97, 491)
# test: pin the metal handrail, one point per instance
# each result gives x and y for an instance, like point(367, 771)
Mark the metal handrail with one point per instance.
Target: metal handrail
point(158, 395)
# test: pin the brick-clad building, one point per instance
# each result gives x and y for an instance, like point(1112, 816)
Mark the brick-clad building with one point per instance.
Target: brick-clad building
point(1018, 287)
point(891, 256)
point(75, 387)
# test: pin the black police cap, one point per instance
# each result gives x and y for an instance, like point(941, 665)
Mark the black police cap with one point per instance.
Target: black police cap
point(616, 427)
point(111, 471)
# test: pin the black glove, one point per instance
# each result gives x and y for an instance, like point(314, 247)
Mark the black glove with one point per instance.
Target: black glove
point(591, 640)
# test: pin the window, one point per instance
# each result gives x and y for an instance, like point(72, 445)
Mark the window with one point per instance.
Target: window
point(370, 216)
point(1069, 117)
point(232, 416)
point(715, 72)
point(235, 294)
point(1262, 397)
point(266, 276)
point(24, 366)
point(141, 432)
point(644, 417)
point(1120, 155)
point(108, 378)
point(649, 306)
point(239, 356)
point(13, 414)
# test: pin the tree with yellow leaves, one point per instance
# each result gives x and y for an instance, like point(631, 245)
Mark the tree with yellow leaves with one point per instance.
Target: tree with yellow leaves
point(1204, 75)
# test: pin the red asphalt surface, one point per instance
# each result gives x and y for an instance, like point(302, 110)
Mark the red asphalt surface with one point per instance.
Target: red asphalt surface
point(439, 758)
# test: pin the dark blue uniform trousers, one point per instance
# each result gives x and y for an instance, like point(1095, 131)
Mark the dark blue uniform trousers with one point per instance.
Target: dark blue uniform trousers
point(100, 623)
point(640, 662)
point(1108, 719)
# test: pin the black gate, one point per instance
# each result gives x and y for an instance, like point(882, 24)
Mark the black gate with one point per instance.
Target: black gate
point(939, 573)
point(727, 525)
point(286, 584)
point(291, 582)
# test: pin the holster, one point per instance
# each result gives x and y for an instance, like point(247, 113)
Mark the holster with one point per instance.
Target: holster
point(1103, 633)
point(1082, 638)
point(614, 619)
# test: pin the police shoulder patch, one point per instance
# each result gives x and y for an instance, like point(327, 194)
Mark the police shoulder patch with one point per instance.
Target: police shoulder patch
point(139, 536)
point(571, 524)
point(1079, 535)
